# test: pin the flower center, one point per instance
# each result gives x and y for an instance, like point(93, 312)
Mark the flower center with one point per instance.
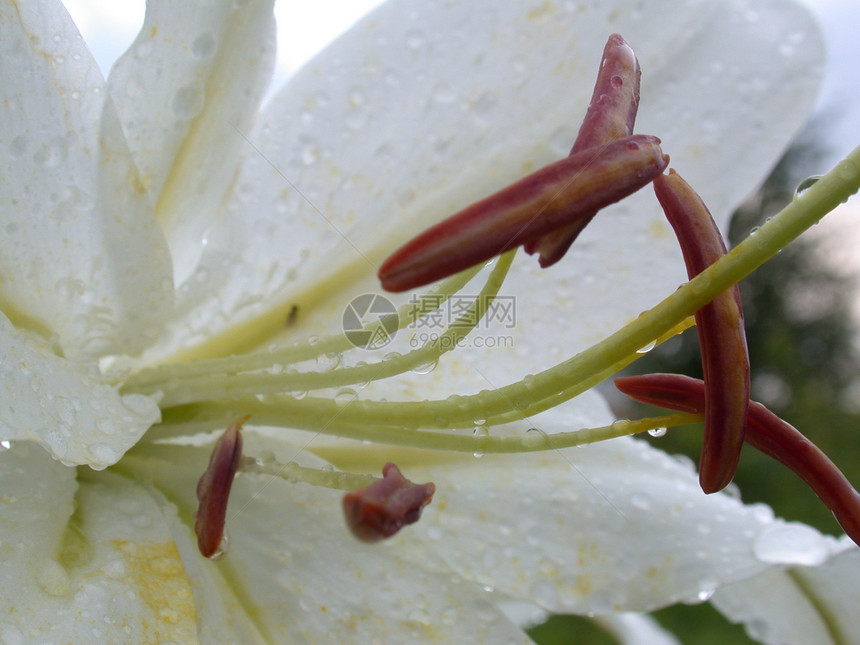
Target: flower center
point(208, 395)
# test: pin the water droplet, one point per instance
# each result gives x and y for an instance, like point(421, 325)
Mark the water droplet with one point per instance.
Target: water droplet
point(139, 405)
point(187, 101)
point(426, 368)
point(103, 454)
point(414, 38)
point(790, 544)
point(310, 154)
point(701, 284)
point(657, 432)
point(203, 46)
point(647, 348)
point(533, 438)
point(105, 425)
point(328, 362)
point(5, 445)
point(18, 147)
point(805, 185)
point(482, 436)
point(53, 578)
point(640, 501)
point(391, 355)
point(345, 396)
point(223, 547)
point(544, 594)
point(621, 426)
point(52, 154)
point(707, 588)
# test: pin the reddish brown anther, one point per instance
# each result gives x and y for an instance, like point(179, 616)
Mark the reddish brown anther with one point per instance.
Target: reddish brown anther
point(213, 489)
point(386, 506)
point(765, 432)
point(720, 324)
point(546, 200)
point(611, 115)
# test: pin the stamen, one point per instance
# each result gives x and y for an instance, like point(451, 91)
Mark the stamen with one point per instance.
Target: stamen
point(611, 115)
point(546, 200)
point(218, 386)
point(386, 506)
point(767, 433)
point(167, 377)
point(720, 324)
point(213, 489)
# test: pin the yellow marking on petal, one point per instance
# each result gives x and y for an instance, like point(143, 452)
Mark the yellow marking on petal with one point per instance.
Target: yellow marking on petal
point(159, 577)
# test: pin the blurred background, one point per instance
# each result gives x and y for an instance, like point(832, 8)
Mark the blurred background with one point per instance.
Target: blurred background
point(802, 308)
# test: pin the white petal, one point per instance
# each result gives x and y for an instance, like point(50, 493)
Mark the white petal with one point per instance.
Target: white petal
point(636, 629)
point(93, 562)
point(187, 91)
point(64, 406)
point(308, 580)
point(82, 252)
point(800, 604)
point(614, 526)
point(423, 108)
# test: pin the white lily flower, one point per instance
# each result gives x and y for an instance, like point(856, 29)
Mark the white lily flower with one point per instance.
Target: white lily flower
point(268, 221)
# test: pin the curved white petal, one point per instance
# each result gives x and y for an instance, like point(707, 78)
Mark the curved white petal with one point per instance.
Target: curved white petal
point(423, 108)
point(64, 406)
point(303, 578)
point(636, 629)
point(187, 92)
point(82, 252)
point(800, 604)
point(608, 527)
point(86, 562)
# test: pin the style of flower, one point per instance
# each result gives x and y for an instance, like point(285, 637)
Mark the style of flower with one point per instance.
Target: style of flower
point(164, 243)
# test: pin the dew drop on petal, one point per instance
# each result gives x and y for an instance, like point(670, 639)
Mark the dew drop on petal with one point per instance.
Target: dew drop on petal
point(544, 594)
point(707, 588)
point(640, 501)
point(657, 432)
point(103, 454)
point(187, 101)
point(203, 46)
point(790, 544)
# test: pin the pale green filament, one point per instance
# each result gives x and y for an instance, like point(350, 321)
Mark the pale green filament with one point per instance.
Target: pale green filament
point(294, 473)
point(165, 377)
point(398, 423)
point(206, 387)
